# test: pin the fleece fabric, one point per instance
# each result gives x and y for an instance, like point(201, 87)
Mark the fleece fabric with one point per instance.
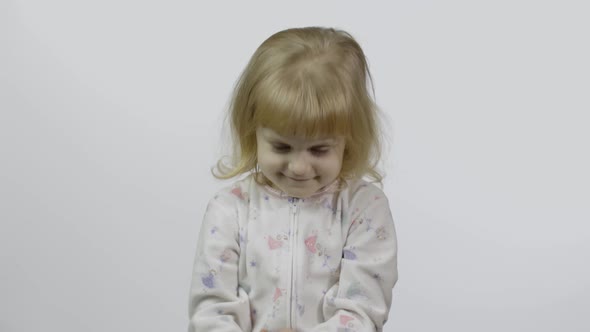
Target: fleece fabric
point(267, 261)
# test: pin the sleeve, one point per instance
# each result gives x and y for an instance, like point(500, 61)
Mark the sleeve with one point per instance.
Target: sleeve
point(361, 300)
point(216, 302)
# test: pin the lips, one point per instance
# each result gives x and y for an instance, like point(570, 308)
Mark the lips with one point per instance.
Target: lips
point(298, 179)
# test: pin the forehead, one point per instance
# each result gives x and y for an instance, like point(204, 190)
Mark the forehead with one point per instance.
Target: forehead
point(271, 135)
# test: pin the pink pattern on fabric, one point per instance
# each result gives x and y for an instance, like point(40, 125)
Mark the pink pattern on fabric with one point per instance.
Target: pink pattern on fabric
point(278, 294)
point(310, 243)
point(345, 319)
point(274, 244)
point(238, 193)
point(225, 255)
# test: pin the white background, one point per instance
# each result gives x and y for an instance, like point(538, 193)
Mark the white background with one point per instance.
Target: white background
point(111, 114)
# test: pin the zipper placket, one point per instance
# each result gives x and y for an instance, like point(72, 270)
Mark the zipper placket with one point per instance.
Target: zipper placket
point(293, 245)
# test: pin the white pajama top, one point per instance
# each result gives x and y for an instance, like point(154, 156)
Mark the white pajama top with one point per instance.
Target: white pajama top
point(267, 261)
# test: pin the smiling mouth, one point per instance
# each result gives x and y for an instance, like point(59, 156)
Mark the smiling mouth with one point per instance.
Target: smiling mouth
point(298, 180)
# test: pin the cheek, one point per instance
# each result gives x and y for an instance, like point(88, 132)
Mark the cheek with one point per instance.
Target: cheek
point(331, 165)
point(269, 160)
point(337, 165)
point(337, 162)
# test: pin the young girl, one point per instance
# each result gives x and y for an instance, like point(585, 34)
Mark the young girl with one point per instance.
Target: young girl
point(302, 243)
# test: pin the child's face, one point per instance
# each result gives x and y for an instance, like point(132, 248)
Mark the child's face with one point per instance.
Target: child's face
point(299, 166)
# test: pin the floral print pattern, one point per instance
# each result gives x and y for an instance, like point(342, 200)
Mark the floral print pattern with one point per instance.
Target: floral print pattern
point(266, 261)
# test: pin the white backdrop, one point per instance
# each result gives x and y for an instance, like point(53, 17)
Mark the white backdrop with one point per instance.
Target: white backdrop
point(111, 118)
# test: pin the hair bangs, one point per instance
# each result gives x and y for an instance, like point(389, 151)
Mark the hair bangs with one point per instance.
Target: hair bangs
point(310, 82)
point(293, 106)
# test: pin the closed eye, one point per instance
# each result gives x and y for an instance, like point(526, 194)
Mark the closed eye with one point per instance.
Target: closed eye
point(281, 148)
point(320, 150)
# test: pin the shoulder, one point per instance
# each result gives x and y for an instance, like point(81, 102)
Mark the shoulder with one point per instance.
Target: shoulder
point(228, 204)
point(366, 203)
point(362, 192)
point(236, 193)
point(361, 199)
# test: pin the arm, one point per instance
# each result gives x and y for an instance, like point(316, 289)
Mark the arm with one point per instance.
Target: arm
point(362, 298)
point(217, 303)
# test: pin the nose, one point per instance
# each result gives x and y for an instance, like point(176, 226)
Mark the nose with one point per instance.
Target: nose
point(299, 165)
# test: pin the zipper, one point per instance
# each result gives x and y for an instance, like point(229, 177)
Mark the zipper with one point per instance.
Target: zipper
point(294, 209)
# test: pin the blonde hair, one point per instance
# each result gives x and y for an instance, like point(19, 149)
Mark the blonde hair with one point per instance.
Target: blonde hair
point(311, 82)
